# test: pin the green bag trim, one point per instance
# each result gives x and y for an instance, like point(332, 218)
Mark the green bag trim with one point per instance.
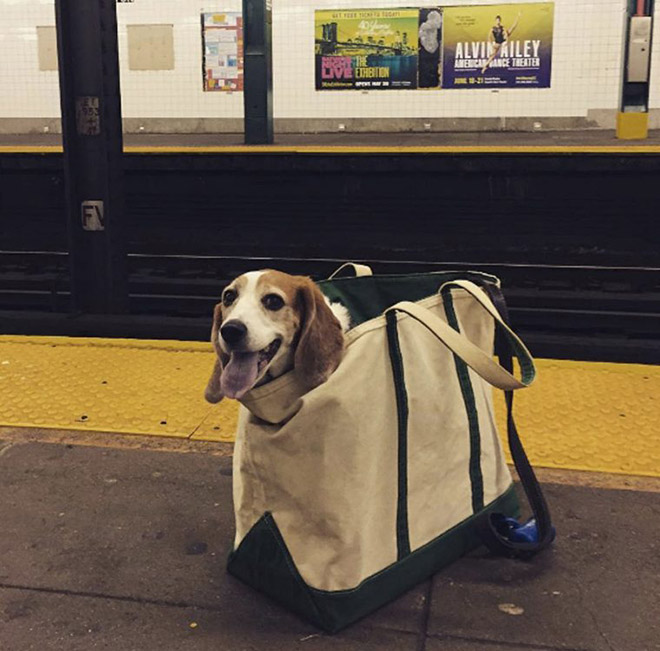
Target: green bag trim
point(366, 297)
point(527, 369)
point(402, 533)
point(263, 561)
point(476, 477)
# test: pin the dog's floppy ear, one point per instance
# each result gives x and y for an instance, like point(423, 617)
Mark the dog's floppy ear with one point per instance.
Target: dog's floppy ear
point(321, 342)
point(213, 391)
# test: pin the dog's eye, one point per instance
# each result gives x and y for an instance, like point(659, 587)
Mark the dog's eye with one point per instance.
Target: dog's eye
point(273, 302)
point(229, 297)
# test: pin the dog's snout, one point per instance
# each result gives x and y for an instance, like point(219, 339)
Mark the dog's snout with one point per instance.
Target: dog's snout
point(233, 331)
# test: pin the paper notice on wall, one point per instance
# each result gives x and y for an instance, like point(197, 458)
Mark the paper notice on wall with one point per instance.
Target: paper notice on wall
point(222, 42)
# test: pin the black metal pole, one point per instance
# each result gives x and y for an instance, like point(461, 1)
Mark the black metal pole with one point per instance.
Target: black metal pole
point(258, 73)
point(92, 137)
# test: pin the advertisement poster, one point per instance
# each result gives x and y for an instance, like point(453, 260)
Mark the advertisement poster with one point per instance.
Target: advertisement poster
point(429, 64)
point(222, 41)
point(498, 46)
point(371, 49)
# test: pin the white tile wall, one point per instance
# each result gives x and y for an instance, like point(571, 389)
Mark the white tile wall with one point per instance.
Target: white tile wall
point(587, 62)
point(25, 91)
point(175, 93)
point(586, 66)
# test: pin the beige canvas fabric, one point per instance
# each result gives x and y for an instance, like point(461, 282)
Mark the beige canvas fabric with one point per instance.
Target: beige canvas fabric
point(325, 463)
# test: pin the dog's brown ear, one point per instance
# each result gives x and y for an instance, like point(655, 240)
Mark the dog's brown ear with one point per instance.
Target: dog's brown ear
point(213, 391)
point(321, 344)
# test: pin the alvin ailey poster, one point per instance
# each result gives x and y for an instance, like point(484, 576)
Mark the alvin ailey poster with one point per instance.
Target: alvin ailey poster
point(498, 46)
point(478, 46)
point(222, 43)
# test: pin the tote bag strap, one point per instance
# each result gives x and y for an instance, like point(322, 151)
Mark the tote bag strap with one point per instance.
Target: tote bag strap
point(501, 535)
point(357, 269)
point(477, 359)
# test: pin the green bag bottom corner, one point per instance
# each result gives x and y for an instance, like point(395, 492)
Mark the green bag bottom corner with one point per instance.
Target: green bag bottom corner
point(263, 561)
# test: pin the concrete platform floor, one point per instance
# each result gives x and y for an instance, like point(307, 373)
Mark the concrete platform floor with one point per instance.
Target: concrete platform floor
point(119, 543)
point(503, 139)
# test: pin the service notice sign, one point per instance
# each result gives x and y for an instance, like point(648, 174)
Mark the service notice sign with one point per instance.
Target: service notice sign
point(222, 38)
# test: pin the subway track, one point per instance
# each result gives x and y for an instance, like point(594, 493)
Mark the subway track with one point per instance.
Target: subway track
point(573, 237)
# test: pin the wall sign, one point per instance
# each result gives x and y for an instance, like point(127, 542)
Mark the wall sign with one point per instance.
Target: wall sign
point(222, 43)
point(366, 49)
point(484, 46)
point(498, 46)
point(92, 215)
point(88, 117)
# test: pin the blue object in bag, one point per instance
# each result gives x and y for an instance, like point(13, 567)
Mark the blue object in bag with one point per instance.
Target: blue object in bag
point(515, 531)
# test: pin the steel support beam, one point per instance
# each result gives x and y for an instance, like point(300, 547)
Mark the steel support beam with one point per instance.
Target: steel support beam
point(92, 137)
point(258, 83)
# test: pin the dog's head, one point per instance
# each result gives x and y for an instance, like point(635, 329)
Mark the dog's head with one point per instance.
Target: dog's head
point(267, 323)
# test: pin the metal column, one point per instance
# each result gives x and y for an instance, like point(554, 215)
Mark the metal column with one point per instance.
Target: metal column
point(258, 74)
point(92, 137)
point(632, 120)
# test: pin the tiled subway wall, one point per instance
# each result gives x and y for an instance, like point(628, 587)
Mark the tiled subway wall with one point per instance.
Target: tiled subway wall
point(587, 61)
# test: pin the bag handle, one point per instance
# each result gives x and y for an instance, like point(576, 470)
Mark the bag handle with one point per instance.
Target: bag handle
point(476, 358)
point(524, 357)
point(357, 269)
point(502, 535)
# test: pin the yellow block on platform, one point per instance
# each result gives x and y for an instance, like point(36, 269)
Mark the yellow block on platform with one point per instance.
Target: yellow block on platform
point(577, 415)
point(109, 385)
point(632, 126)
point(590, 416)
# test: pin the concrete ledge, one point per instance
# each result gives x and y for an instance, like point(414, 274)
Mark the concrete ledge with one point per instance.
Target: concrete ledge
point(183, 125)
point(30, 125)
point(595, 119)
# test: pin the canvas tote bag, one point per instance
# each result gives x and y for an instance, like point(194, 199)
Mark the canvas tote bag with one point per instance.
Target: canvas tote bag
point(349, 494)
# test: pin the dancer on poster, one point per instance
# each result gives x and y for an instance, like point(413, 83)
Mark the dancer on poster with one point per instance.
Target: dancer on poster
point(498, 36)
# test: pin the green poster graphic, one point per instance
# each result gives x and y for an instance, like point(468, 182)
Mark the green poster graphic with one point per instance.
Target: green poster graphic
point(366, 49)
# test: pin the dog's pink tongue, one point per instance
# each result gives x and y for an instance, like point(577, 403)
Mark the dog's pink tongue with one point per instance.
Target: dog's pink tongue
point(240, 374)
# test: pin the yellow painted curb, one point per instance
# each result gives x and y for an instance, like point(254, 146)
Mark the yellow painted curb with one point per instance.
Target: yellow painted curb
point(360, 149)
point(578, 415)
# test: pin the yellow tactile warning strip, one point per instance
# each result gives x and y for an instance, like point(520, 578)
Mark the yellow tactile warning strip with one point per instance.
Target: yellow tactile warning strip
point(578, 415)
point(357, 149)
point(114, 385)
point(591, 416)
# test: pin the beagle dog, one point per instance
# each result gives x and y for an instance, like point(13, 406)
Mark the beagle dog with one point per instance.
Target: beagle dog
point(268, 323)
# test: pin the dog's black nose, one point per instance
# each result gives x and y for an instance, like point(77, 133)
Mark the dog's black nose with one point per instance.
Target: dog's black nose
point(233, 331)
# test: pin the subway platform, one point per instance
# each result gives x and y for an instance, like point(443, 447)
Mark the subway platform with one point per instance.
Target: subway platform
point(578, 141)
point(116, 515)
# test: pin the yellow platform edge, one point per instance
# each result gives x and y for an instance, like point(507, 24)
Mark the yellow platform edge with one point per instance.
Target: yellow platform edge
point(588, 416)
point(363, 149)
